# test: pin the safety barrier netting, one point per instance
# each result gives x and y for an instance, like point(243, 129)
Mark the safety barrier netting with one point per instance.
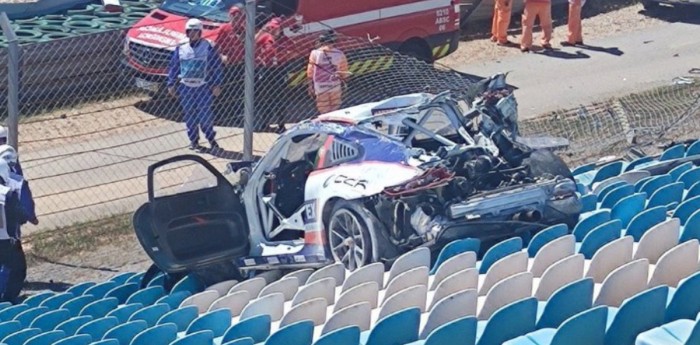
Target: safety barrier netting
point(95, 112)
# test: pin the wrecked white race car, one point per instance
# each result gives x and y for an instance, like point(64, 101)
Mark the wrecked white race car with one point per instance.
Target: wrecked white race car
point(361, 185)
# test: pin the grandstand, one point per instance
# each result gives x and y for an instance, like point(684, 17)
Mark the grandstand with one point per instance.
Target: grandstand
point(627, 273)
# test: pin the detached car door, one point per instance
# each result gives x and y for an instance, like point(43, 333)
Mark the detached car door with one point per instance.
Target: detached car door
point(201, 223)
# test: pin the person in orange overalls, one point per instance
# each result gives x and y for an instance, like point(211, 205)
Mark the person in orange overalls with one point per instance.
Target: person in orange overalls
point(265, 39)
point(537, 9)
point(231, 36)
point(502, 12)
point(574, 23)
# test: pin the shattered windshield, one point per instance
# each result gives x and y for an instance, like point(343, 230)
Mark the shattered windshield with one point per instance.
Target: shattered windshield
point(433, 119)
point(214, 10)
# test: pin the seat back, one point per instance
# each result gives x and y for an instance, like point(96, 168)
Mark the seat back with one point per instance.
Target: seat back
point(201, 300)
point(257, 328)
point(50, 320)
point(552, 252)
point(401, 327)
point(600, 236)
point(592, 221)
point(455, 248)
point(616, 195)
point(455, 306)
point(345, 336)
point(623, 283)
point(560, 273)
point(217, 321)
point(453, 265)
point(366, 292)
point(126, 332)
point(234, 302)
point(511, 289)
point(510, 321)
point(98, 327)
point(667, 195)
point(463, 329)
point(685, 303)
point(100, 308)
point(335, 271)
point(503, 268)
point(151, 314)
point(499, 251)
point(324, 288)
point(415, 258)
point(610, 257)
point(160, 334)
point(586, 327)
point(641, 312)
point(676, 264)
point(566, 302)
point(545, 236)
point(628, 207)
point(373, 272)
point(182, 317)
point(657, 240)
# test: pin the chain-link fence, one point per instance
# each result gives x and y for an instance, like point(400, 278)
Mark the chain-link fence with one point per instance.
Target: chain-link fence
point(95, 111)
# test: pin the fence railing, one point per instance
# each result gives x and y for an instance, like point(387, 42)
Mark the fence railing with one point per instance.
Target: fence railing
point(88, 131)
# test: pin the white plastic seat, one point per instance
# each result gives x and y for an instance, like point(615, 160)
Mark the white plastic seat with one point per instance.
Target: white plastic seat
point(455, 306)
point(301, 275)
point(415, 276)
point(372, 272)
point(335, 271)
point(313, 309)
point(201, 300)
point(234, 302)
point(658, 240)
point(453, 265)
point(460, 281)
point(358, 314)
point(509, 290)
point(415, 258)
point(562, 272)
point(501, 269)
point(552, 252)
point(287, 287)
point(415, 296)
point(253, 286)
point(272, 304)
point(676, 264)
point(608, 258)
point(324, 288)
point(622, 283)
point(222, 288)
point(367, 292)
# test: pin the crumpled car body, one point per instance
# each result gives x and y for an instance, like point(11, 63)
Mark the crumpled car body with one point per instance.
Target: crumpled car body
point(365, 184)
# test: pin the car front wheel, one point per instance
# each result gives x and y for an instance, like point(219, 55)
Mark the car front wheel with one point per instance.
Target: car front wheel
point(349, 237)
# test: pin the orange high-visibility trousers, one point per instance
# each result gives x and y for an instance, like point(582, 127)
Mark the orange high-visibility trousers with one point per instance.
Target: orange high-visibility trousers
point(574, 22)
point(534, 10)
point(501, 20)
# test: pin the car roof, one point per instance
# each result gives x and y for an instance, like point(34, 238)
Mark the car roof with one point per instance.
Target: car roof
point(361, 113)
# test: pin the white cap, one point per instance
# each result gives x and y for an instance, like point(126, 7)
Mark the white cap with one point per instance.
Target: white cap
point(5, 172)
point(3, 132)
point(8, 154)
point(194, 24)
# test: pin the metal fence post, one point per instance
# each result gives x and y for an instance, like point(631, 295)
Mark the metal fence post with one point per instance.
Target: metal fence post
point(12, 80)
point(249, 80)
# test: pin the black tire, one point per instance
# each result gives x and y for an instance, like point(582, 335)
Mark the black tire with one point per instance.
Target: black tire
point(417, 50)
point(543, 162)
point(344, 211)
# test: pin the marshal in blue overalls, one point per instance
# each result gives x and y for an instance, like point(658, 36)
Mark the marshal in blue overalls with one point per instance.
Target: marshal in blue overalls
point(196, 68)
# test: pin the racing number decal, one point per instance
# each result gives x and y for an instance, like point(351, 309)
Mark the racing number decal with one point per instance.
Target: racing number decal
point(310, 211)
point(442, 17)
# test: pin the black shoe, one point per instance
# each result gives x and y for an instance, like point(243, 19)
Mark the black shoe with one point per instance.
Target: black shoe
point(214, 145)
point(547, 46)
point(525, 50)
point(567, 44)
point(196, 147)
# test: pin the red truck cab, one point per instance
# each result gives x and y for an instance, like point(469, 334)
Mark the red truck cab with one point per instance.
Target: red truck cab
point(426, 29)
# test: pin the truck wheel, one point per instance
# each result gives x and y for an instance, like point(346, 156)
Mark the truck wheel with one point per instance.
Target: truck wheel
point(349, 228)
point(418, 50)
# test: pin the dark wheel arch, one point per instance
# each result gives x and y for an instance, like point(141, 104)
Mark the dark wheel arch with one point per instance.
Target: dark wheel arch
point(417, 48)
point(544, 162)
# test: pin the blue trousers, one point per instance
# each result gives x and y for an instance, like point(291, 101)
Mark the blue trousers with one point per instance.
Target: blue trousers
point(197, 102)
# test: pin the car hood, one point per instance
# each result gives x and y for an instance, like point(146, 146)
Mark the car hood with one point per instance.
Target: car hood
point(166, 30)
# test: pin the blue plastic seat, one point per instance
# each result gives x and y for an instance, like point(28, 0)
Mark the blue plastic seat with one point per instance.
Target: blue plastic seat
point(343, 336)
point(106, 342)
point(72, 325)
point(75, 305)
point(673, 152)
point(9, 327)
point(198, 338)
point(691, 229)
point(217, 321)
point(628, 207)
point(136, 278)
point(589, 203)
point(499, 251)
point(298, 333)
point(124, 312)
point(122, 278)
point(598, 237)
point(47, 338)
point(175, 299)
point(508, 322)
point(645, 221)
point(667, 195)
point(638, 162)
point(189, 283)
point(607, 171)
point(242, 341)
point(583, 169)
point(20, 337)
point(565, 302)
point(690, 177)
point(151, 314)
point(637, 314)
point(79, 289)
point(684, 302)
point(256, 328)
point(692, 192)
point(603, 192)
point(545, 236)
point(27, 317)
point(81, 339)
point(35, 301)
point(463, 329)
point(679, 332)
point(181, 317)
point(655, 182)
point(56, 301)
point(147, 296)
point(455, 248)
point(584, 328)
point(126, 332)
point(593, 220)
point(158, 280)
point(98, 327)
point(100, 308)
point(4, 305)
point(122, 292)
point(679, 170)
point(10, 313)
point(693, 149)
point(616, 195)
point(50, 320)
point(400, 327)
point(160, 334)
point(686, 208)
point(101, 289)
